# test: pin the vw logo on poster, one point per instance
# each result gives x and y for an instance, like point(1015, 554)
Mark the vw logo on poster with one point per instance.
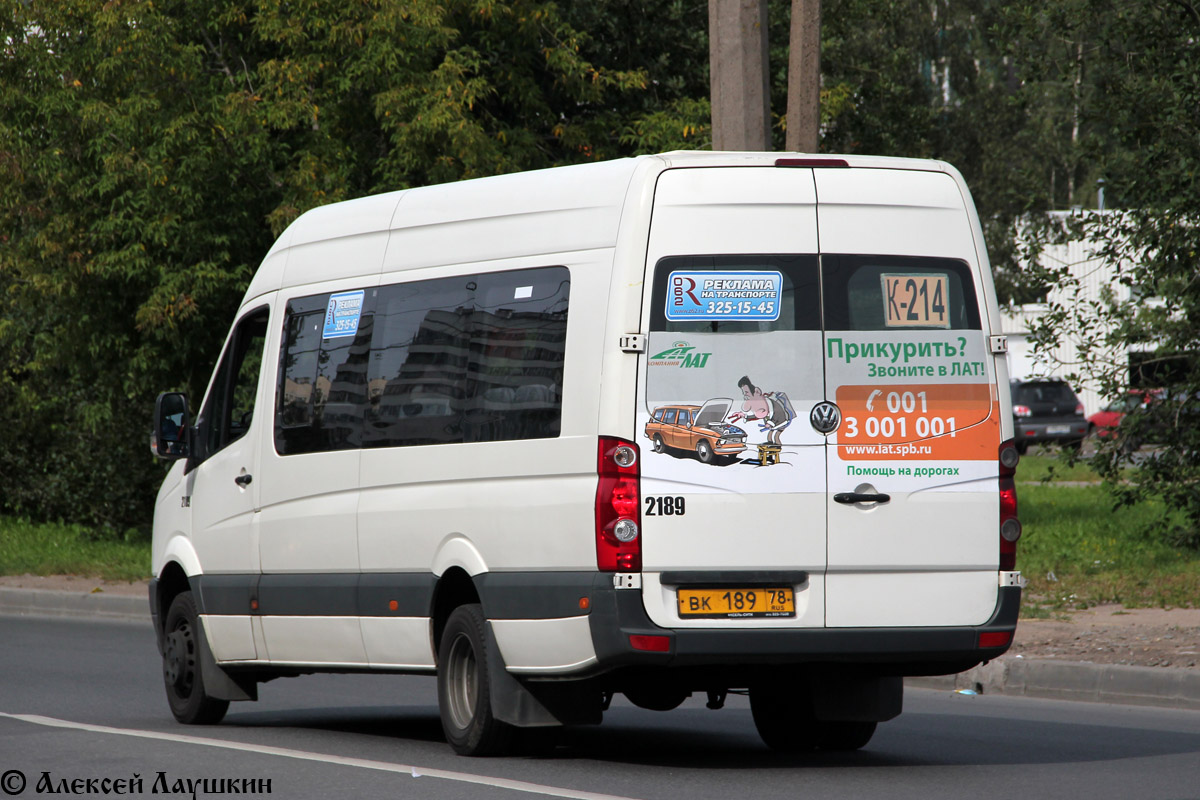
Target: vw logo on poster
point(825, 417)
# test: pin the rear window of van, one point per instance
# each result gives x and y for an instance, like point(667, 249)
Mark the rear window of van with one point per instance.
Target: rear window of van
point(890, 293)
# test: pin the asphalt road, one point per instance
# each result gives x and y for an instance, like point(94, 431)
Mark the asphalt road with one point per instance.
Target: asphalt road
point(83, 701)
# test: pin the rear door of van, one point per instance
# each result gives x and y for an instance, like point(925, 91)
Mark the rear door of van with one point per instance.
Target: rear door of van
point(837, 314)
point(913, 503)
point(734, 507)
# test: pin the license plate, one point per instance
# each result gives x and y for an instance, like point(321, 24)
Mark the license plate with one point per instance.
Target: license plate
point(1058, 429)
point(737, 603)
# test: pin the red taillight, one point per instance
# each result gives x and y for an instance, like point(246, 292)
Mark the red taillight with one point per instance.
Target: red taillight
point(1022, 411)
point(1010, 526)
point(618, 506)
point(1079, 409)
point(995, 638)
point(625, 497)
point(652, 644)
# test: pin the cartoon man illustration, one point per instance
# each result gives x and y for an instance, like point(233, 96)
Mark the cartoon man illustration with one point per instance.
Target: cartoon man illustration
point(772, 409)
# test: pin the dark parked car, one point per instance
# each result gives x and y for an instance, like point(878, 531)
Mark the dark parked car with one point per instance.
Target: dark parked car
point(1047, 411)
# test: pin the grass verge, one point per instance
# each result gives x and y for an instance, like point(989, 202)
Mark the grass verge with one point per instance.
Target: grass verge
point(55, 549)
point(1078, 551)
point(1050, 465)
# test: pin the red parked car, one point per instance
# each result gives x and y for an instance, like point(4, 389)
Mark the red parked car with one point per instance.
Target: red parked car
point(1105, 423)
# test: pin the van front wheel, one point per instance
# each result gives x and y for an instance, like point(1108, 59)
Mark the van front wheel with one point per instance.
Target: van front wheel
point(464, 690)
point(190, 704)
point(704, 451)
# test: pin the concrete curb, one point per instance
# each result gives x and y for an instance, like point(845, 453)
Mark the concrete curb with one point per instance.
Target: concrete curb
point(81, 605)
point(1165, 687)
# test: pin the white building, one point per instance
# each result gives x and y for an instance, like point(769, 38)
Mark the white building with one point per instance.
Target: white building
point(1093, 275)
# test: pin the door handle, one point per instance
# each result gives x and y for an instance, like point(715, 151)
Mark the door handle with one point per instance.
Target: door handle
point(850, 498)
point(243, 480)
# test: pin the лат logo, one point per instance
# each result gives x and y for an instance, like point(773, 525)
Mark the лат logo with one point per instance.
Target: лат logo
point(680, 354)
point(825, 417)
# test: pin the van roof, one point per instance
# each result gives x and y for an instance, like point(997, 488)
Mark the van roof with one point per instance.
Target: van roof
point(581, 203)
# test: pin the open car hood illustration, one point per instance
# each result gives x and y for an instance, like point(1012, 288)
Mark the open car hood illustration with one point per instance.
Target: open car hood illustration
point(712, 416)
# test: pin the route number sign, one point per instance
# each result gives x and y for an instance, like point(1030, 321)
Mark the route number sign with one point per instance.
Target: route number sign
point(915, 301)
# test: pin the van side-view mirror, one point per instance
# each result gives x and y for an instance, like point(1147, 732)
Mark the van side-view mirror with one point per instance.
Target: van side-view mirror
point(170, 439)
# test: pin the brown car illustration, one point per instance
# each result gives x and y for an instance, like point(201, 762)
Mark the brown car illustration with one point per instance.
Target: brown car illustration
point(698, 429)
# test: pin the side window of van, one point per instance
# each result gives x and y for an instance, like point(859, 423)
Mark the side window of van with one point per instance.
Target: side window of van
point(418, 360)
point(465, 359)
point(322, 385)
point(473, 358)
point(229, 409)
point(799, 298)
point(878, 293)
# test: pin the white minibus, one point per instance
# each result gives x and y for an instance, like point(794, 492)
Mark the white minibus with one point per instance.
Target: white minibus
point(685, 424)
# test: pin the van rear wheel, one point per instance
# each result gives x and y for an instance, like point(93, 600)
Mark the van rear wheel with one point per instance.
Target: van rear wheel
point(190, 704)
point(464, 688)
point(784, 717)
point(659, 445)
point(844, 735)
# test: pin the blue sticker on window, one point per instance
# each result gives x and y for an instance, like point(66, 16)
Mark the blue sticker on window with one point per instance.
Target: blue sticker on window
point(341, 318)
point(733, 295)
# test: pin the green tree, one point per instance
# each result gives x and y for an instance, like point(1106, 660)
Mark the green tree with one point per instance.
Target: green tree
point(1146, 105)
point(151, 151)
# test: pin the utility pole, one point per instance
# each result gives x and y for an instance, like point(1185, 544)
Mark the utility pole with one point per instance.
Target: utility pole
point(741, 105)
point(804, 77)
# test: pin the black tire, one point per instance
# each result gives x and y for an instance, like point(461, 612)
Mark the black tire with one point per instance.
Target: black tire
point(786, 722)
point(464, 690)
point(659, 445)
point(784, 717)
point(704, 451)
point(657, 699)
point(844, 735)
point(190, 704)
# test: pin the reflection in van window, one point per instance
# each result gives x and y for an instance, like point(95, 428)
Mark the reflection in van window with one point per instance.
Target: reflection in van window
point(301, 346)
point(418, 363)
point(800, 301)
point(322, 389)
point(229, 409)
point(866, 293)
point(466, 359)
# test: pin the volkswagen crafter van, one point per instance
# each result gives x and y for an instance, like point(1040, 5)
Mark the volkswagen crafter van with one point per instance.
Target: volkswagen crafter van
point(429, 447)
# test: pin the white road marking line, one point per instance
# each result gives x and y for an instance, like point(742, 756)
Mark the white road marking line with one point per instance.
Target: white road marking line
point(361, 763)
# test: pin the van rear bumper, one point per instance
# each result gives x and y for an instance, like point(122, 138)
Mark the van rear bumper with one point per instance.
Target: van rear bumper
point(617, 614)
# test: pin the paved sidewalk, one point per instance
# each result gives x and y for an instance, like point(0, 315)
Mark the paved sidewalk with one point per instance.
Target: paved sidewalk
point(80, 605)
point(1165, 687)
point(1010, 675)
